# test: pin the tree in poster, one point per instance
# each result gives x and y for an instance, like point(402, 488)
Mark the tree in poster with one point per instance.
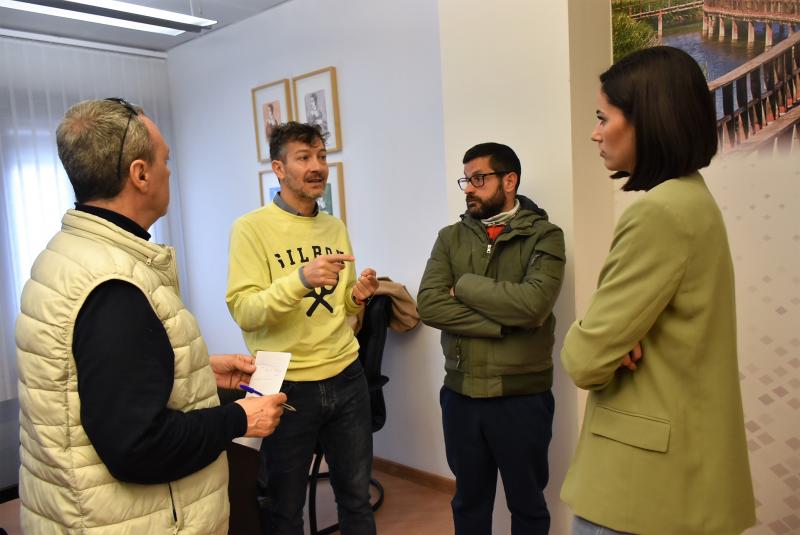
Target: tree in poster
point(631, 35)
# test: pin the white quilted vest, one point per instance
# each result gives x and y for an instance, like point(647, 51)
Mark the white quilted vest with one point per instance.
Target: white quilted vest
point(64, 486)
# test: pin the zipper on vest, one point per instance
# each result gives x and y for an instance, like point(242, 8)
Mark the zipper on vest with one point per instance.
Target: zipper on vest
point(172, 501)
point(488, 249)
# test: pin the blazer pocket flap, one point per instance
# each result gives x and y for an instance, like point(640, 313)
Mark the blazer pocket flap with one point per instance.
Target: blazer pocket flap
point(636, 430)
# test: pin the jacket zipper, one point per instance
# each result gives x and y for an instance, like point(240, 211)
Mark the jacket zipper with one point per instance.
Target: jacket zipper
point(491, 245)
point(490, 248)
point(173, 266)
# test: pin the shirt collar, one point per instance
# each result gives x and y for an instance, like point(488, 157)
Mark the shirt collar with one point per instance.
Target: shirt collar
point(278, 200)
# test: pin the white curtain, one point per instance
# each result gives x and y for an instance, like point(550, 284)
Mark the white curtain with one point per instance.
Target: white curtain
point(38, 83)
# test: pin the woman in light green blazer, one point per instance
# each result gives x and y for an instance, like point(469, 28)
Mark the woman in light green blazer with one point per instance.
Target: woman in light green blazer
point(662, 449)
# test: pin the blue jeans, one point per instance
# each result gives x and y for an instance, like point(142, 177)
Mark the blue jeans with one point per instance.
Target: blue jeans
point(512, 434)
point(581, 526)
point(335, 412)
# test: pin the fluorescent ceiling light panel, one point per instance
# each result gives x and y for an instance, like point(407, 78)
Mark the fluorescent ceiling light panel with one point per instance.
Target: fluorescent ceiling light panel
point(146, 11)
point(33, 8)
point(113, 13)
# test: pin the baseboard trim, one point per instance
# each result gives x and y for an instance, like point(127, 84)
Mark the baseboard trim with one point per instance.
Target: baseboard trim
point(426, 479)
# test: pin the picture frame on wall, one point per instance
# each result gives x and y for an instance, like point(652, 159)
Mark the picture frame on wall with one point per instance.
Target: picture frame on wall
point(271, 107)
point(332, 201)
point(268, 186)
point(316, 101)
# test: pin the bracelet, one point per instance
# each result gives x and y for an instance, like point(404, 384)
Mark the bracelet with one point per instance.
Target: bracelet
point(359, 302)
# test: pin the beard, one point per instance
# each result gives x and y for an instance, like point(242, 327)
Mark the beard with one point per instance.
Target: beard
point(483, 209)
point(298, 186)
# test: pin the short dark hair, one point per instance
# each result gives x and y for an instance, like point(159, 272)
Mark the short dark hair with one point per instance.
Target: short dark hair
point(501, 158)
point(662, 92)
point(284, 133)
point(89, 141)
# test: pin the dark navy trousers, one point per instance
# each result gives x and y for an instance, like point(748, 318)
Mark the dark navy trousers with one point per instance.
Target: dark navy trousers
point(510, 434)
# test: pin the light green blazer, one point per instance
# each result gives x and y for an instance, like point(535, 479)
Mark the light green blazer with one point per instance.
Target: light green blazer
point(662, 449)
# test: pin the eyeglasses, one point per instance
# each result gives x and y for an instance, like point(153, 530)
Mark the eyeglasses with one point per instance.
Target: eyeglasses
point(477, 179)
point(132, 111)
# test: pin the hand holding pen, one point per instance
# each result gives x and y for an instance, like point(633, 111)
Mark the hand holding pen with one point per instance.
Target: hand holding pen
point(248, 388)
point(263, 413)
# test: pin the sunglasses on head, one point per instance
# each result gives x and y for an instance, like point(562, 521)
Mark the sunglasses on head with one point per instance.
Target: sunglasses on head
point(132, 112)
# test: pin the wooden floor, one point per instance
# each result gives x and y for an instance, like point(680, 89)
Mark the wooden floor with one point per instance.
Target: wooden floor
point(408, 509)
point(9, 517)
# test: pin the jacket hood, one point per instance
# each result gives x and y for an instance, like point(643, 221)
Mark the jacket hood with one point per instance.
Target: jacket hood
point(527, 204)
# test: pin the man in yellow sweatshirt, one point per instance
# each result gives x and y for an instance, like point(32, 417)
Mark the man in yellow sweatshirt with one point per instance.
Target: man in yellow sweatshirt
point(291, 286)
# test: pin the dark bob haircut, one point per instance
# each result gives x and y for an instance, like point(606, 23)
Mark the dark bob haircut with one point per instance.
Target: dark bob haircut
point(501, 158)
point(662, 92)
point(282, 134)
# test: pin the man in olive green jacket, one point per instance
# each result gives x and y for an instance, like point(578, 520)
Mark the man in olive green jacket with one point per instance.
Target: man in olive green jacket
point(490, 286)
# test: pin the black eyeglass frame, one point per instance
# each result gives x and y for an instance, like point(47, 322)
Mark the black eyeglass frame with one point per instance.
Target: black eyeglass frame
point(478, 179)
point(132, 111)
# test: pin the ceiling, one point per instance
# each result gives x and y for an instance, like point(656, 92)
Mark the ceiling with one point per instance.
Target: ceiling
point(225, 11)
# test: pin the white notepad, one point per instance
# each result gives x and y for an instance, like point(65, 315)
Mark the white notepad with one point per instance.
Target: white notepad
point(271, 368)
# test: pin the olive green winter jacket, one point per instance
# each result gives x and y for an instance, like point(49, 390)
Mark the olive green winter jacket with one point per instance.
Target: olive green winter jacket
point(497, 332)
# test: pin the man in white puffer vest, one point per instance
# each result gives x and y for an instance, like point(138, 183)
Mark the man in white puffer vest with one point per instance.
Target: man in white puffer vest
point(120, 425)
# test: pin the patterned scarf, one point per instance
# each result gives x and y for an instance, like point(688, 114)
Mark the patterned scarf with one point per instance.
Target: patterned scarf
point(495, 224)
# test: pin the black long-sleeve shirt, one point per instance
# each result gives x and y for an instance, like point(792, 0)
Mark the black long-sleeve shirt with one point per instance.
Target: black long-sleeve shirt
point(125, 367)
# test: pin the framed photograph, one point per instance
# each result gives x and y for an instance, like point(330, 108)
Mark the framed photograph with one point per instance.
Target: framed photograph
point(271, 107)
point(268, 186)
point(316, 101)
point(332, 201)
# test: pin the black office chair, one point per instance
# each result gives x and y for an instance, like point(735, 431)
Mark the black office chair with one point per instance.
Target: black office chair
point(371, 338)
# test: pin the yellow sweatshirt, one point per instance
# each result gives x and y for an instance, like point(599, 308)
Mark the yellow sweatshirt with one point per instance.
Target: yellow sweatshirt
point(267, 299)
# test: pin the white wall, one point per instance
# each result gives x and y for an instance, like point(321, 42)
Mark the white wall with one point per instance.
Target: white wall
point(387, 62)
point(588, 242)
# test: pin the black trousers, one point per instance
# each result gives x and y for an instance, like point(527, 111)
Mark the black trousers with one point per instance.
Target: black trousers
point(336, 413)
point(510, 434)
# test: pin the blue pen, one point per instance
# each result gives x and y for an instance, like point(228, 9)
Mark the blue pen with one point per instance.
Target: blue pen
point(248, 388)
